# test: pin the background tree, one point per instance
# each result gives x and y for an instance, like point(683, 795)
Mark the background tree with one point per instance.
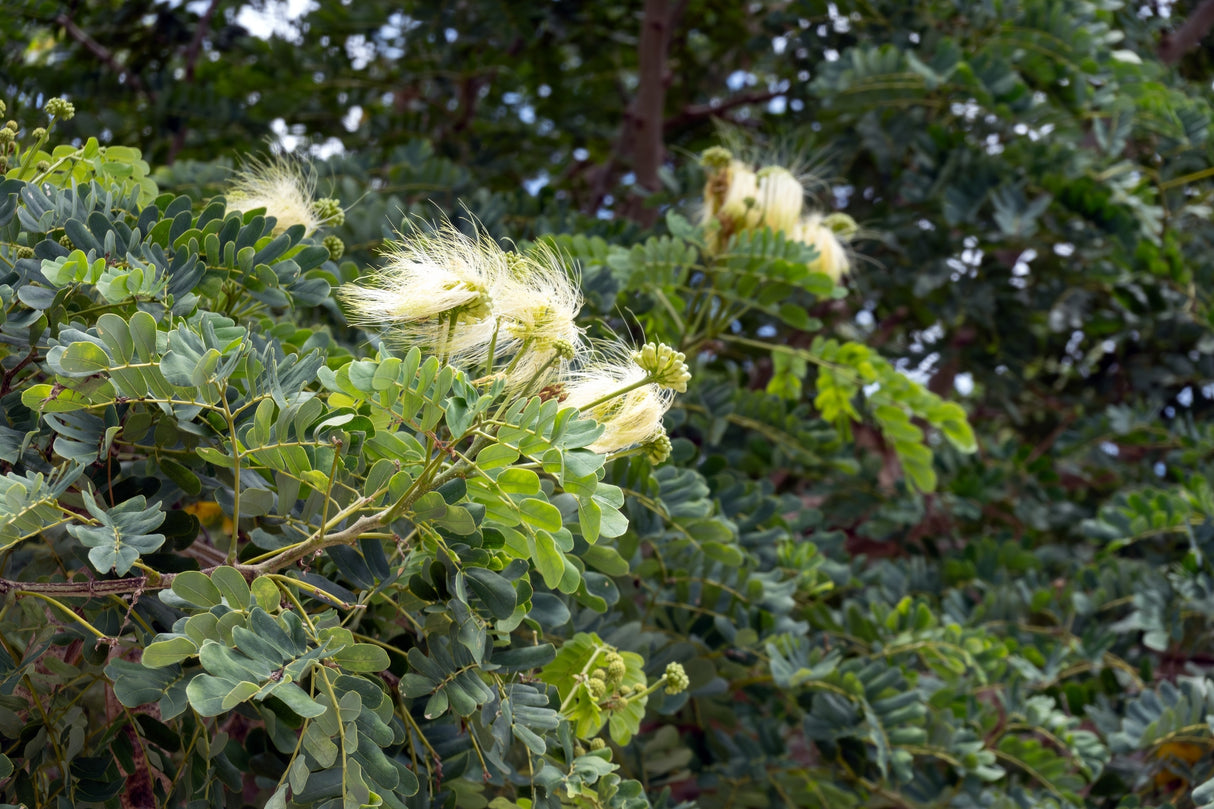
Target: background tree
point(1031, 181)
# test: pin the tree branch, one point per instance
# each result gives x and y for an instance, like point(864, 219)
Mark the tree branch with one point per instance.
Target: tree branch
point(1179, 42)
point(191, 60)
point(648, 149)
point(696, 112)
point(103, 55)
point(643, 125)
point(200, 33)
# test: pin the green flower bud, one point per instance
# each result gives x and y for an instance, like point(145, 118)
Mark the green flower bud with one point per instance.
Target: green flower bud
point(13, 125)
point(578, 750)
point(329, 211)
point(843, 225)
point(716, 158)
point(39, 133)
point(335, 246)
point(60, 108)
point(43, 165)
point(564, 349)
point(66, 241)
point(25, 252)
point(665, 366)
point(658, 449)
point(6, 135)
point(597, 689)
point(676, 678)
point(597, 744)
point(616, 671)
point(3, 108)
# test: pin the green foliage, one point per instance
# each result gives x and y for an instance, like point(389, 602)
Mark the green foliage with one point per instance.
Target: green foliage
point(218, 498)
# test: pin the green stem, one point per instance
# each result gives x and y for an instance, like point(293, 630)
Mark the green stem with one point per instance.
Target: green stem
point(640, 383)
point(59, 605)
point(28, 157)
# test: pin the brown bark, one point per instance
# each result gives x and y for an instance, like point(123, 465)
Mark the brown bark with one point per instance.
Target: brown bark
point(644, 122)
point(1179, 42)
point(648, 148)
point(191, 60)
point(102, 54)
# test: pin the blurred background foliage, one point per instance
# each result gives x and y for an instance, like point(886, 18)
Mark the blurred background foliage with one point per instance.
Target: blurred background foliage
point(1032, 183)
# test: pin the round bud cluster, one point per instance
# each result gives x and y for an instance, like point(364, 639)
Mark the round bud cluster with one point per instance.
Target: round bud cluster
point(597, 689)
point(335, 246)
point(666, 367)
point(676, 678)
point(597, 744)
point(6, 135)
point(39, 133)
point(25, 252)
point(329, 211)
point(658, 449)
point(13, 125)
point(842, 225)
point(716, 157)
point(616, 669)
point(43, 165)
point(60, 108)
point(66, 241)
point(564, 349)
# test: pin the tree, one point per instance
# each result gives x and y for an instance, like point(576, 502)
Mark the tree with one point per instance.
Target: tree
point(865, 614)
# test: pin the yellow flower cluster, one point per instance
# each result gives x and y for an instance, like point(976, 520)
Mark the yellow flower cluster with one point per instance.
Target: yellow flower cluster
point(514, 316)
point(738, 198)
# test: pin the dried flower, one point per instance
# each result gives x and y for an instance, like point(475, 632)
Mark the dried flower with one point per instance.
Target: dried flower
point(282, 187)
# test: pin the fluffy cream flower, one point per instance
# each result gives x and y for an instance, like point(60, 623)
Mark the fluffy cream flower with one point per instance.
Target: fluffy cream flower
point(535, 305)
point(465, 297)
point(736, 198)
point(614, 391)
point(281, 186)
point(779, 200)
point(832, 259)
point(429, 284)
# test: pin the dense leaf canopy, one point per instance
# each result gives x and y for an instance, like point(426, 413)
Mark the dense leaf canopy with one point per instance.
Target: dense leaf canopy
point(935, 533)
